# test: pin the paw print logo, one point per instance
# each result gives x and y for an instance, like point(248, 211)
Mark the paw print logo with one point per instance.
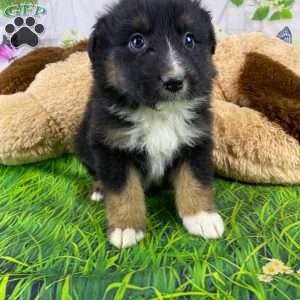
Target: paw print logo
point(24, 32)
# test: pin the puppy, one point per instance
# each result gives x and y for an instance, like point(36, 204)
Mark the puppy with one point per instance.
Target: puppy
point(149, 115)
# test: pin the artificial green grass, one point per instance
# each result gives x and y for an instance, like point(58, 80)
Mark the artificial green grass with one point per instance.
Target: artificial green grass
point(53, 243)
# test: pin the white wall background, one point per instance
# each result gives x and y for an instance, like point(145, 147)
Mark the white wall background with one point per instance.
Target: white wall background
point(235, 20)
point(65, 15)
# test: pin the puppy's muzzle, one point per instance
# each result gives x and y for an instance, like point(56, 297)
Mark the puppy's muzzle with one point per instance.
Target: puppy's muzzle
point(173, 84)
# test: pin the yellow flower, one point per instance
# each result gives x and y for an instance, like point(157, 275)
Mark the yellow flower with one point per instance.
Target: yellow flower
point(276, 262)
point(276, 266)
point(286, 270)
point(265, 278)
point(272, 269)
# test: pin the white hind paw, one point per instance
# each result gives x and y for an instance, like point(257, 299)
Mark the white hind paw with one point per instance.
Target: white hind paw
point(96, 197)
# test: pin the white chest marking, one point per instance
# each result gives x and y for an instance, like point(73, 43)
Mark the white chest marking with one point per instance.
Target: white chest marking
point(160, 133)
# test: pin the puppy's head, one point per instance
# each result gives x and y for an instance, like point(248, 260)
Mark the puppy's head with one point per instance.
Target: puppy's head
point(154, 51)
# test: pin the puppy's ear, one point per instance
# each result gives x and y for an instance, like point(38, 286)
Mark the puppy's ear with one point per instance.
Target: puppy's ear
point(97, 38)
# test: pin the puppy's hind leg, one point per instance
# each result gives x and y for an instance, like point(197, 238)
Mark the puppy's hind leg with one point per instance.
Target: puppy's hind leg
point(97, 191)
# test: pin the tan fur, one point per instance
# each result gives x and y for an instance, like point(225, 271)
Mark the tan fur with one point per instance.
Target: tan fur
point(126, 209)
point(272, 89)
point(113, 75)
point(185, 20)
point(231, 55)
point(19, 75)
point(191, 196)
point(41, 122)
point(248, 146)
point(251, 148)
point(140, 22)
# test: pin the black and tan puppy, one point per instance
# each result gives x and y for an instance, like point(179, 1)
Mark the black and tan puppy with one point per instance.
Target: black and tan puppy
point(149, 116)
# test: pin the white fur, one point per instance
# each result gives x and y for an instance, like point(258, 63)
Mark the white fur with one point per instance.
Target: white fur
point(160, 132)
point(96, 197)
point(125, 238)
point(206, 224)
point(175, 67)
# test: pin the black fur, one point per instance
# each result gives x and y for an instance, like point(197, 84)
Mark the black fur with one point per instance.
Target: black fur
point(141, 83)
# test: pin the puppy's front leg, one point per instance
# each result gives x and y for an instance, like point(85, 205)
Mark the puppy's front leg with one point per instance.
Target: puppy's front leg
point(126, 212)
point(123, 196)
point(194, 196)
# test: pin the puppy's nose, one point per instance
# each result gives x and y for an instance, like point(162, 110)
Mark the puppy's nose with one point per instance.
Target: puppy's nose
point(173, 84)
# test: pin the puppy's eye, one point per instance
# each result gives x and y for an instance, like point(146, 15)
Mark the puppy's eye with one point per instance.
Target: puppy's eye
point(137, 42)
point(189, 41)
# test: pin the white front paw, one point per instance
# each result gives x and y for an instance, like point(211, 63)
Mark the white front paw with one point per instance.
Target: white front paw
point(206, 224)
point(125, 238)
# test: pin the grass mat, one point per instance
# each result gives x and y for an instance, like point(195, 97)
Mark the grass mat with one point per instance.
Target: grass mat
point(53, 243)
